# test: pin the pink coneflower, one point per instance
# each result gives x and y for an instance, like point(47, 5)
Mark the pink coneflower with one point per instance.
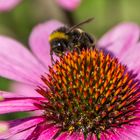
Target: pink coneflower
point(88, 95)
point(6, 5)
point(69, 5)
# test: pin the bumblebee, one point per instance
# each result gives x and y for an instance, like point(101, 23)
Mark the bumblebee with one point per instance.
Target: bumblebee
point(66, 39)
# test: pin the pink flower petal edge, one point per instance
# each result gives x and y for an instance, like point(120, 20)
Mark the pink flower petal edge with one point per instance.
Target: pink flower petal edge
point(24, 134)
point(131, 59)
point(69, 4)
point(18, 105)
point(48, 133)
point(24, 89)
point(17, 63)
point(121, 38)
point(68, 136)
point(19, 125)
point(38, 40)
point(6, 5)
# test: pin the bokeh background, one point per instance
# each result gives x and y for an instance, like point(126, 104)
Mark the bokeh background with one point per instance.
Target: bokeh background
point(18, 22)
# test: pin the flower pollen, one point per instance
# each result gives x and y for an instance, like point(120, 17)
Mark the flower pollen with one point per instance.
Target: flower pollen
point(90, 92)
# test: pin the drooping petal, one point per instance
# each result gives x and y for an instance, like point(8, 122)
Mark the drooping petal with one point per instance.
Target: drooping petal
point(120, 39)
point(17, 63)
point(128, 132)
point(20, 125)
point(6, 5)
point(18, 104)
point(69, 4)
point(62, 136)
point(131, 59)
point(39, 40)
point(45, 132)
point(24, 134)
point(24, 89)
point(131, 131)
point(4, 94)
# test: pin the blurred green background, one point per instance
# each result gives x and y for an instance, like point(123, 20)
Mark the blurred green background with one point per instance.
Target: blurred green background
point(19, 22)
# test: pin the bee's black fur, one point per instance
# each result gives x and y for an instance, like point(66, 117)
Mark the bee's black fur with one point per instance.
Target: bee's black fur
point(76, 39)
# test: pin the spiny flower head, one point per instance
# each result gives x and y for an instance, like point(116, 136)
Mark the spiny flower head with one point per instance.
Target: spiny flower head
point(90, 92)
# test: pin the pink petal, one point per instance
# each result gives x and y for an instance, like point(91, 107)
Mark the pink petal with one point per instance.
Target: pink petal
point(107, 136)
point(48, 133)
point(24, 89)
point(24, 134)
point(20, 125)
point(91, 136)
point(39, 40)
point(120, 39)
point(69, 4)
point(7, 95)
point(77, 136)
point(17, 63)
point(4, 94)
point(63, 136)
point(73, 136)
point(6, 5)
point(18, 104)
point(131, 59)
point(9, 107)
point(127, 133)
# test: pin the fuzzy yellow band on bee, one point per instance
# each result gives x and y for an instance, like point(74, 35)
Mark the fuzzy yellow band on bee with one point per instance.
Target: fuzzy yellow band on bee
point(58, 35)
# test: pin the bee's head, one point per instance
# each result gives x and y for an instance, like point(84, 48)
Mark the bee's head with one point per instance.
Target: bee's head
point(58, 40)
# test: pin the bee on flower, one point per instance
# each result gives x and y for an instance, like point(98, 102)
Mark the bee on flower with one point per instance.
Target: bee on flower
point(91, 95)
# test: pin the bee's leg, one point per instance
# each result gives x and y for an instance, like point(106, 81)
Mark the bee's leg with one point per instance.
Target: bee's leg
point(74, 47)
point(78, 48)
point(52, 60)
point(70, 47)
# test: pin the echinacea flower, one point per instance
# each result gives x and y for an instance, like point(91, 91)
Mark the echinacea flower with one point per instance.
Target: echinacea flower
point(6, 5)
point(69, 5)
point(88, 95)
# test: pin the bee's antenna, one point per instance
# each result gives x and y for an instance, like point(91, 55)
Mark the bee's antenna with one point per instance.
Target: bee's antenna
point(81, 23)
